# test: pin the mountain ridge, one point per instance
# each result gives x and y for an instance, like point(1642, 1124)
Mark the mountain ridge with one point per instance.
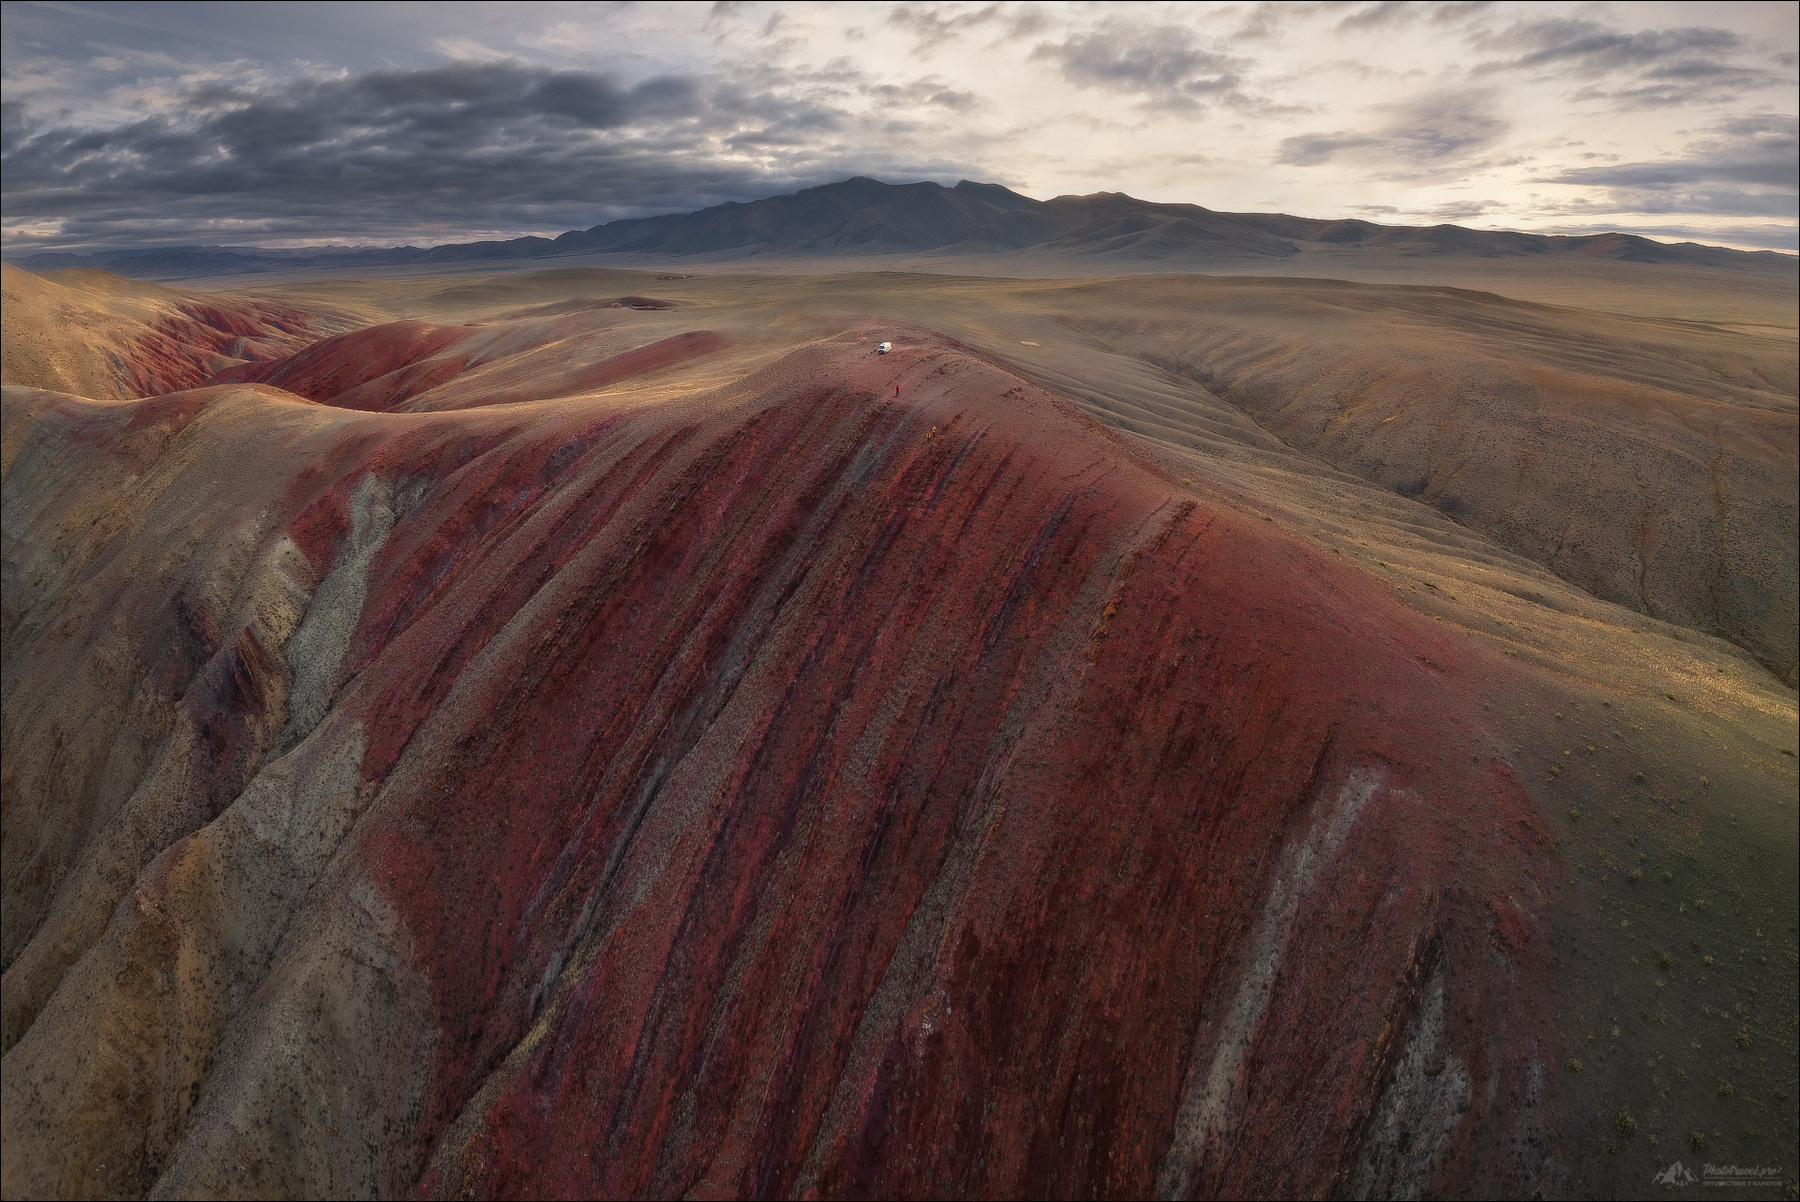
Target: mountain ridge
point(864, 216)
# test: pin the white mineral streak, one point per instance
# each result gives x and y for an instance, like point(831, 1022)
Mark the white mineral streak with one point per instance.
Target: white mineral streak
point(1211, 1094)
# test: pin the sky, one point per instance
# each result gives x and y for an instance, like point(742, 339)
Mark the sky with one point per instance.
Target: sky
point(277, 124)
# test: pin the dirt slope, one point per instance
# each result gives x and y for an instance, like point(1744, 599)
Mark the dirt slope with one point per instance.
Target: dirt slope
point(99, 335)
point(1653, 465)
point(896, 732)
point(554, 748)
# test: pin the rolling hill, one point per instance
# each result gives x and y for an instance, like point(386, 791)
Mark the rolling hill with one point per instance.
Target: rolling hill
point(569, 732)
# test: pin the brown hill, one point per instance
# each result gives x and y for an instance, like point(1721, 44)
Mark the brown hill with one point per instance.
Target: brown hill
point(100, 335)
point(551, 746)
point(1653, 464)
point(1650, 462)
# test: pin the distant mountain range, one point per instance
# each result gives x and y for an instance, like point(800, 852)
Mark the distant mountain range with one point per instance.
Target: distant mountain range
point(863, 216)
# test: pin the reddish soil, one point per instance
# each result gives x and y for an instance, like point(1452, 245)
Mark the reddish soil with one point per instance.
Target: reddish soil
point(372, 369)
point(102, 336)
point(792, 789)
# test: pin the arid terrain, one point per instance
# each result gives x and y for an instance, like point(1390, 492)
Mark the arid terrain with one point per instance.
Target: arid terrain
point(556, 730)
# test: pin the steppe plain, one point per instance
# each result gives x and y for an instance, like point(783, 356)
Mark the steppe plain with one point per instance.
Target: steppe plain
point(586, 731)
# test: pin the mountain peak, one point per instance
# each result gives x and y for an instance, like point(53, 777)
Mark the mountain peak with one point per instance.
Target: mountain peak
point(863, 215)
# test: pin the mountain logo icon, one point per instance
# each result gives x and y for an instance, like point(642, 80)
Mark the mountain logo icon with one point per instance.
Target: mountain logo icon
point(1675, 1175)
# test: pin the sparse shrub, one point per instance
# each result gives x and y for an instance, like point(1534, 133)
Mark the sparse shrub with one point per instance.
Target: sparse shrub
point(1667, 876)
point(1636, 874)
point(1637, 776)
point(1574, 1067)
point(1670, 696)
point(1706, 960)
point(1742, 1038)
point(1697, 1140)
point(1665, 960)
point(1726, 1089)
point(1610, 1146)
point(1626, 1123)
point(1699, 903)
point(1573, 814)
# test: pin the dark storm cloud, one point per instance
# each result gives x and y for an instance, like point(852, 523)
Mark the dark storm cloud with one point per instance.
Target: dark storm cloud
point(496, 145)
point(1162, 63)
point(1746, 165)
point(15, 125)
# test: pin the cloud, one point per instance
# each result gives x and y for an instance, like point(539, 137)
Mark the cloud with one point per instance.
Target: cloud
point(1429, 134)
point(931, 91)
point(934, 25)
point(468, 146)
point(16, 125)
point(1390, 13)
point(1163, 63)
point(1311, 150)
point(1744, 166)
point(1588, 47)
point(1674, 89)
point(1693, 64)
point(1463, 210)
